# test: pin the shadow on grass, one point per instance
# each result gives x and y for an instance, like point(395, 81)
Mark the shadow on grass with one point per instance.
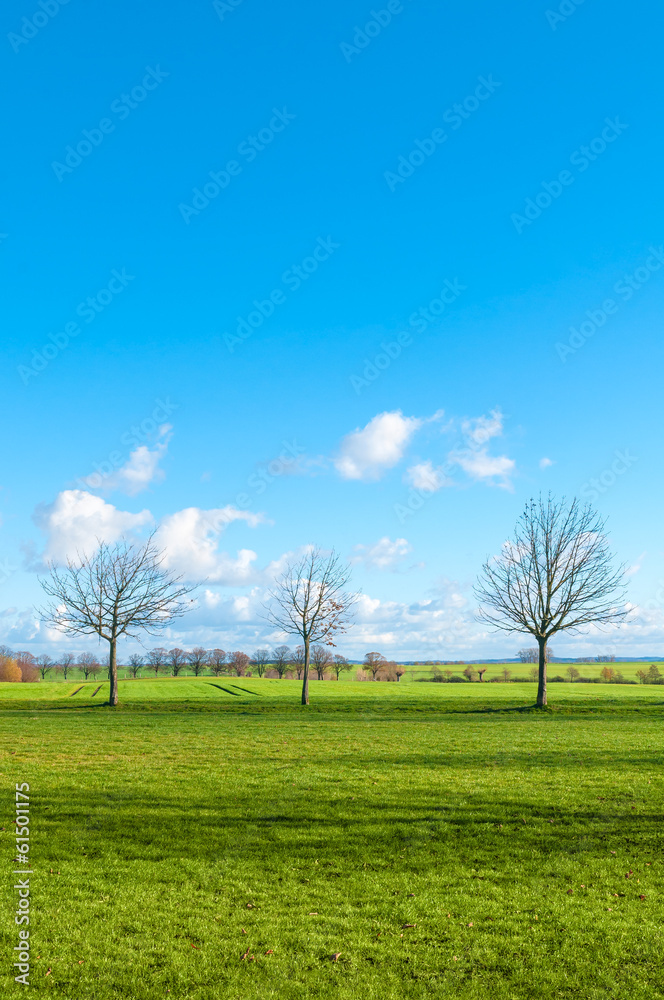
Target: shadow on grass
point(139, 825)
point(253, 703)
point(220, 688)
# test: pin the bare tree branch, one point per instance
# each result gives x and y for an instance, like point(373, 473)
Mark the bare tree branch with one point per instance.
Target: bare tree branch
point(310, 601)
point(122, 589)
point(556, 574)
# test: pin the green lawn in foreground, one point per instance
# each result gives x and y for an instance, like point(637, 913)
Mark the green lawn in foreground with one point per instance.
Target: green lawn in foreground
point(191, 815)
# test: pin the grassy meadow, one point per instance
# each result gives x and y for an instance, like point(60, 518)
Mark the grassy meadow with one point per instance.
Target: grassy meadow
point(210, 838)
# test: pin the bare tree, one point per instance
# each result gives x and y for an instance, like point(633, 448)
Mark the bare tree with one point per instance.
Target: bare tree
point(555, 574)
point(572, 673)
point(218, 662)
point(198, 660)
point(374, 662)
point(66, 664)
point(238, 663)
point(322, 660)
point(157, 659)
point(89, 664)
point(309, 600)
point(44, 665)
point(120, 590)
point(177, 660)
point(281, 658)
point(341, 665)
point(298, 661)
point(260, 660)
point(135, 664)
point(481, 672)
point(531, 655)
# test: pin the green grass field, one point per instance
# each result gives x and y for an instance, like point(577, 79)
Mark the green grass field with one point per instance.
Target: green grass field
point(442, 840)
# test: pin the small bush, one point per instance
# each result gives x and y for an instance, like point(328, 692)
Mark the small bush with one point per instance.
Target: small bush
point(10, 670)
point(456, 679)
point(557, 679)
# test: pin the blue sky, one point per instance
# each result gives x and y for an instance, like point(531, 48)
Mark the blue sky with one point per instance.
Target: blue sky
point(276, 277)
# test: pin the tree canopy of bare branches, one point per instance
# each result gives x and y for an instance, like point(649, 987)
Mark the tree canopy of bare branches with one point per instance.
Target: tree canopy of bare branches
point(135, 664)
point(67, 661)
point(157, 659)
point(177, 660)
point(555, 574)
point(341, 665)
point(121, 589)
point(373, 662)
point(309, 600)
point(260, 660)
point(322, 660)
point(238, 663)
point(217, 661)
point(198, 660)
point(281, 658)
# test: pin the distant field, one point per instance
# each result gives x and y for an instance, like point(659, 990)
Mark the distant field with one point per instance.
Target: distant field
point(441, 840)
point(517, 670)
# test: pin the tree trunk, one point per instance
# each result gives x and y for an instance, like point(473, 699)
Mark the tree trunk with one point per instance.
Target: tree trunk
point(113, 673)
point(541, 687)
point(305, 681)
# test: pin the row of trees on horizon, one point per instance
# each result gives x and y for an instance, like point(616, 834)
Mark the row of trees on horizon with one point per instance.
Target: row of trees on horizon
point(281, 662)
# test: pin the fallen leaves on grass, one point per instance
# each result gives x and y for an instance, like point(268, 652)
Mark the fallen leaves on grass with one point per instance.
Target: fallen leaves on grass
point(570, 892)
point(642, 898)
point(409, 925)
point(247, 956)
point(335, 957)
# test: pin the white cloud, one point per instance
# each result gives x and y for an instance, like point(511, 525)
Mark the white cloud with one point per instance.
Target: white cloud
point(544, 463)
point(479, 430)
point(480, 465)
point(368, 452)
point(139, 471)
point(189, 539)
point(635, 567)
point(424, 476)
point(76, 520)
point(383, 555)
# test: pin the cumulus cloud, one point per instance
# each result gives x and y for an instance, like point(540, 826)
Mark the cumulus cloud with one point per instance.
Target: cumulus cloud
point(479, 430)
point(139, 471)
point(544, 463)
point(385, 554)
point(77, 520)
point(190, 538)
point(475, 459)
point(479, 465)
point(423, 476)
point(370, 451)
